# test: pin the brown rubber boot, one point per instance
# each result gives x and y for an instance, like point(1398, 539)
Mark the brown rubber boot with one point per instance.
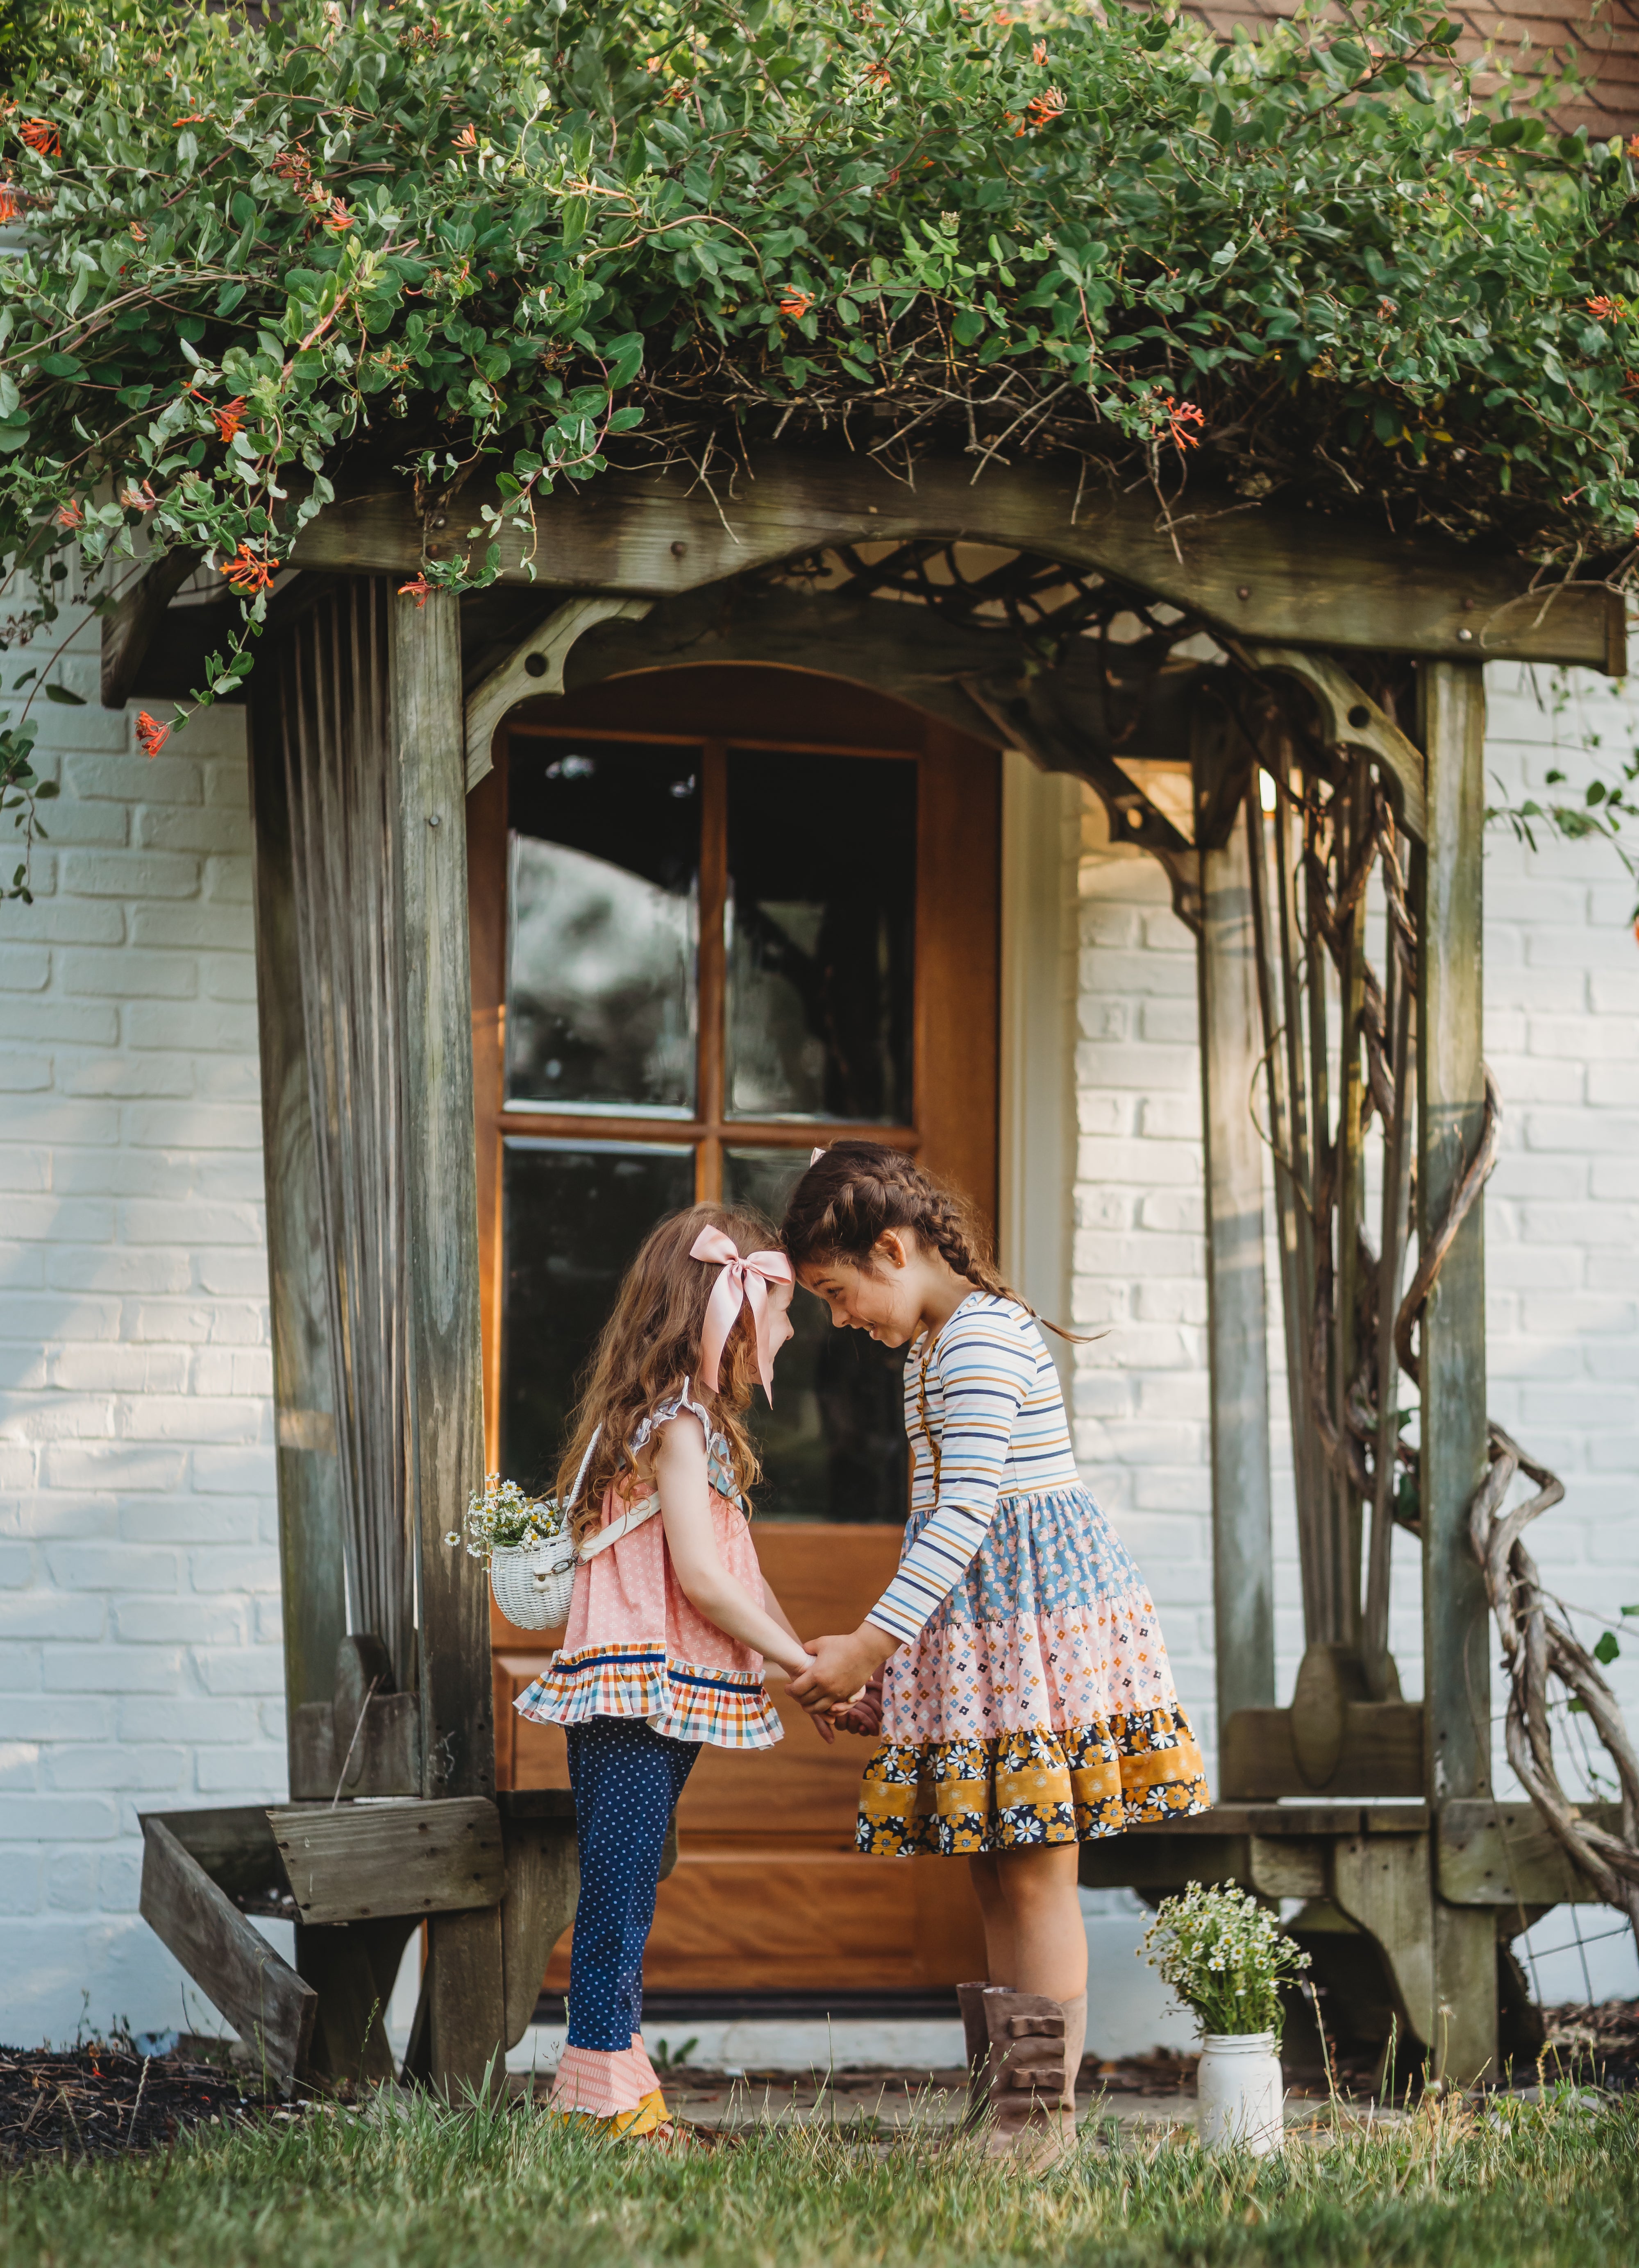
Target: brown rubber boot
point(1029, 2085)
point(1074, 2043)
point(976, 2039)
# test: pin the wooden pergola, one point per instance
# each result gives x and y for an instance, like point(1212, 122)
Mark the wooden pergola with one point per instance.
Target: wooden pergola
point(372, 716)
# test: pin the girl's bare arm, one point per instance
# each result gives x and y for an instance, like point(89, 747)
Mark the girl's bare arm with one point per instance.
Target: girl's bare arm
point(680, 1475)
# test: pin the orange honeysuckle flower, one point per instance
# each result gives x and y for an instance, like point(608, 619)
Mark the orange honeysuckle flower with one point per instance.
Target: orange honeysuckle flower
point(139, 234)
point(152, 735)
point(246, 573)
point(42, 137)
point(878, 75)
point(70, 515)
point(1633, 147)
point(194, 118)
point(229, 418)
point(1038, 53)
point(1180, 416)
point(338, 220)
point(796, 305)
point(1042, 108)
point(292, 166)
point(8, 204)
point(468, 138)
point(138, 499)
point(1599, 307)
point(417, 588)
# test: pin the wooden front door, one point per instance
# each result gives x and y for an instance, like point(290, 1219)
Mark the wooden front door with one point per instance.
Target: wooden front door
point(719, 915)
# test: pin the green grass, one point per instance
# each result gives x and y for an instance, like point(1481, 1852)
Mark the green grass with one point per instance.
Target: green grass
point(1549, 2186)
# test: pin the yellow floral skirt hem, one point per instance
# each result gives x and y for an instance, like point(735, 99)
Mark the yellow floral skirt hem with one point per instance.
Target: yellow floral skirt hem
point(621, 2126)
point(1070, 1785)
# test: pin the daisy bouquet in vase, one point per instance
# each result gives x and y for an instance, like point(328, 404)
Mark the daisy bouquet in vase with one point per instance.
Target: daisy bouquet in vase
point(1226, 1957)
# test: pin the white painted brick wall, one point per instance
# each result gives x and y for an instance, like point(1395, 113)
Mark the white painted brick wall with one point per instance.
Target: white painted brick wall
point(140, 1663)
point(1562, 1229)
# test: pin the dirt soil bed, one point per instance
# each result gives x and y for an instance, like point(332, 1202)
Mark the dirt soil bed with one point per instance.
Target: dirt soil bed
point(100, 2102)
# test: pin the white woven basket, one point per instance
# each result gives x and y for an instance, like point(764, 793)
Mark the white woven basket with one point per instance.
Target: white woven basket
point(533, 1582)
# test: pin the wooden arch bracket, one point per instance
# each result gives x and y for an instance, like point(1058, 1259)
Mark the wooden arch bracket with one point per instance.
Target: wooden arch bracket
point(1350, 718)
point(533, 667)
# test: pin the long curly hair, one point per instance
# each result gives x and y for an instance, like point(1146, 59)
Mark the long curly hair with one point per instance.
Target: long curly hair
point(856, 1190)
point(650, 1345)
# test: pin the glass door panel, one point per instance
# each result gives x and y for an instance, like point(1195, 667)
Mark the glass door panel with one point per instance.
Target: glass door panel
point(602, 925)
point(821, 923)
point(833, 1445)
point(573, 1214)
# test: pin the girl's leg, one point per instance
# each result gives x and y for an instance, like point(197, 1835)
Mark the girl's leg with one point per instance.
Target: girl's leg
point(626, 1779)
point(1000, 1947)
point(1036, 1883)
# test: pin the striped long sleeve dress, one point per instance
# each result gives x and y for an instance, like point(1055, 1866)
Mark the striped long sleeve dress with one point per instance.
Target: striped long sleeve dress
point(1031, 1700)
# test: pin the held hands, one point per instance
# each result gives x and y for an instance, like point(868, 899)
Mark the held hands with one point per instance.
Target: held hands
point(842, 1668)
point(864, 1713)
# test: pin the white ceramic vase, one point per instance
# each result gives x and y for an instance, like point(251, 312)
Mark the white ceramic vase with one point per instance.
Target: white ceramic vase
point(1239, 2093)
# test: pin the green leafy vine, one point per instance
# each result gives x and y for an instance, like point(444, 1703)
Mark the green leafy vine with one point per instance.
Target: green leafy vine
point(253, 259)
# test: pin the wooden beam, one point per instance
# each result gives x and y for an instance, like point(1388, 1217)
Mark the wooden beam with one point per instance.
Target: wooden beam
point(1350, 718)
point(353, 1968)
point(1378, 1753)
point(311, 1578)
point(465, 1987)
point(1243, 1549)
point(1297, 579)
point(535, 666)
point(361, 1862)
point(235, 1846)
point(1381, 1883)
point(128, 631)
point(1502, 1854)
point(542, 1885)
point(233, 1965)
point(1450, 1097)
point(427, 817)
point(378, 1754)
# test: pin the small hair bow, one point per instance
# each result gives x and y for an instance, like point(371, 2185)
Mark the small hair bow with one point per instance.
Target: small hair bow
point(739, 1280)
point(815, 1155)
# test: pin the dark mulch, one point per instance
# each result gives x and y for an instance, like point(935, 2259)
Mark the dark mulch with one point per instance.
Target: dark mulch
point(100, 2101)
point(1598, 2038)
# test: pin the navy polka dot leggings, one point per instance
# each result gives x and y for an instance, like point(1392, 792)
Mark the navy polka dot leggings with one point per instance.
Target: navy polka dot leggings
point(626, 1779)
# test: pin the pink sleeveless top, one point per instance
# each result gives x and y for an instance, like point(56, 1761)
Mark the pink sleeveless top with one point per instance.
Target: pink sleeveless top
point(636, 1647)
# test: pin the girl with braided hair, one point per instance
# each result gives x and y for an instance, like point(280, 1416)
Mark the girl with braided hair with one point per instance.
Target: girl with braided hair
point(1014, 1668)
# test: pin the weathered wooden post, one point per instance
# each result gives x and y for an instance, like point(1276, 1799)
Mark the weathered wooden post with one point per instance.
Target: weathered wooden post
point(1450, 1089)
point(1242, 1576)
point(358, 786)
point(427, 817)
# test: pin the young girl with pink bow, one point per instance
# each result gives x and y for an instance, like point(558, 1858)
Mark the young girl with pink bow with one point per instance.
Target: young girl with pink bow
point(670, 1619)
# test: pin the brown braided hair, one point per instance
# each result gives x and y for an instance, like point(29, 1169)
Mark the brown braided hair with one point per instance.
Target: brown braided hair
point(856, 1190)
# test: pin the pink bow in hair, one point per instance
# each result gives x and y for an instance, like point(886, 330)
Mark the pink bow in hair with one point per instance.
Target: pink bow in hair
point(740, 1280)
